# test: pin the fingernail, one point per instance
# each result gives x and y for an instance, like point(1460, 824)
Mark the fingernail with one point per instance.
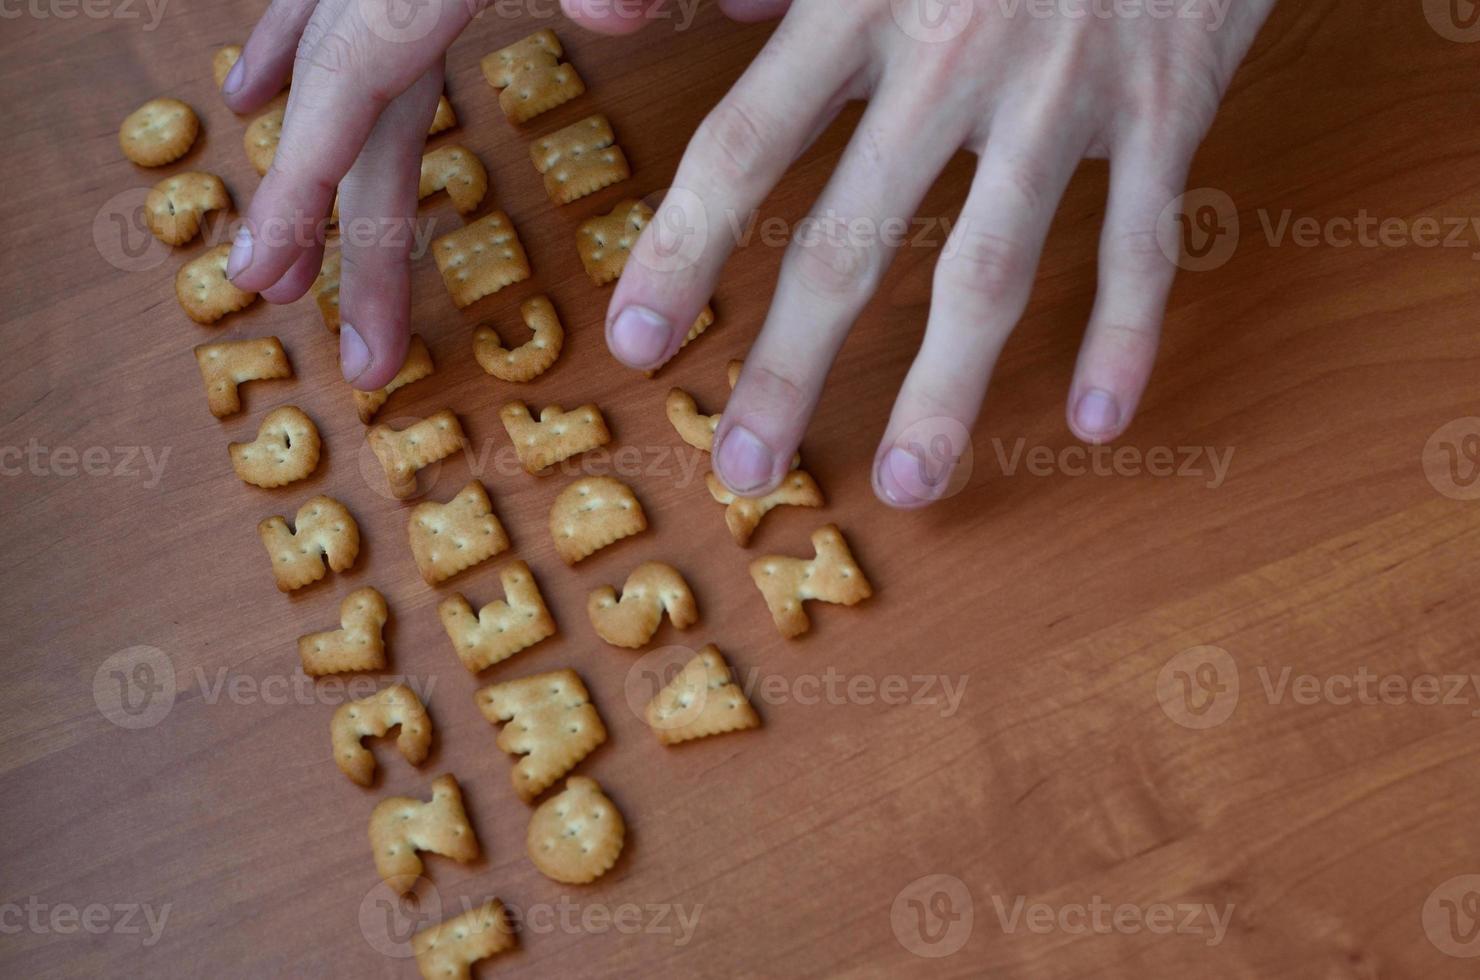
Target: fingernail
point(640, 336)
point(235, 77)
point(241, 252)
point(744, 461)
point(906, 480)
point(1097, 414)
point(354, 356)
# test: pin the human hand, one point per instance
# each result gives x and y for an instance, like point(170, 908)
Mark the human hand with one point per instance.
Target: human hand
point(1032, 90)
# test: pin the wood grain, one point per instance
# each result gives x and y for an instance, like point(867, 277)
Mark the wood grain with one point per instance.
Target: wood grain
point(1324, 833)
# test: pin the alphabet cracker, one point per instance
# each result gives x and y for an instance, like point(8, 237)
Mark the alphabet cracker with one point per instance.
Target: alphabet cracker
point(704, 321)
point(480, 258)
point(204, 292)
point(557, 436)
point(502, 628)
point(576, 836)
point(530, 76)
point(458, 171)
point(261, 139)
point(418, 365)
point(743, 514)
point(392, 707)
point(326, 290)
point(402, 827)
point(700, 701)
point(694, 428)
point(832, 576)
point(222, 61)
point(286, 450)
point(447, 538)
point(323, 530)
point(549, 720)
point(580, 160)
point(650, 590)
point(592, 513)
point(158, 132)
point(225, 366)
point(448, 950)
point(356, 646)
point(403, 453)
point(445, 117)
point(174, 207)
point(530, 359)
point(604, 242)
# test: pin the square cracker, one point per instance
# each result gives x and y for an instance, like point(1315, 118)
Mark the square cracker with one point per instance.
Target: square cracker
point(448, 950)
point(530, 77)
point(503, 627)
point(418, 365)
point(356, 646)
point(481, 258)
point(549, 720)
point(204, 292)
point(580, 160)
point(448, 538)
point(225, 366)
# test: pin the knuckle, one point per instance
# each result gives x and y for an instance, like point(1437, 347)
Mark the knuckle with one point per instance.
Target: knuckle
point(738, 142)
point(832, 262)
point(994, 268)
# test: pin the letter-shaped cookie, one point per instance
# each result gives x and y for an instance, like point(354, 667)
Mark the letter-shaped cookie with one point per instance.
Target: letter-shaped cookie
point(604, 242)
point(357, 645)
point(743, 514)
point(832, 576)
point(174, 207)
point(503, 627)
point(323, 529)
point(447, 538)
point(556, 437)
point(480, 258)
point(231, 363)
point(530, 359)
point(700, 701)
point(286, 450)
point(631, 621)
point(703, 323)
point(158, 132)
point(261, 139)
point(580, 160)
point(400, 827)
point(326, 290)
point(418, 365)
point(404, 453)
point(576, 836)
point(204, 292)
point(445, 117)
point(394, 706)
point(549, 720)
point(447, 950)
point(592, 513)
point(531, 77)
point(458, 171)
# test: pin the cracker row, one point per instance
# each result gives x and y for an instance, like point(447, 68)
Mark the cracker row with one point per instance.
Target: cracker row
point(323, 530)
point(503, 627)
point(402, 827)
point(549, 721)
point(832, 576)
point(650, 590)
point(396, 706)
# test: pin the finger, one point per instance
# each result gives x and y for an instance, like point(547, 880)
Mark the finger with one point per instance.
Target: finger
point(267, 58)
point(737, 156)
point(348, 70)
point(832, 267)
point(377, 211)
point(982, 283)
point(1120, 344)
point(298, 278)
point(606, 17)
point(754, 11)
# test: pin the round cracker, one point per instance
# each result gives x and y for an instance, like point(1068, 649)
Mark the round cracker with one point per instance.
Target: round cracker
point(576, 836)
point(158, 132)
point(174, 207)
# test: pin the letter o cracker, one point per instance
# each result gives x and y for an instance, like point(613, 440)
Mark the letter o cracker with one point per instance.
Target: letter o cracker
point(530, 359)
point(174, 207)
point(448, 950)
point(592, 513)
point(204, 292)
point(323, 529)
point(400, 827)
point(285, 451)
point(458, 171)
point(158, 132)
point(395, 706)
point(576, 836)
point(651, 589)
point(358, 644)
point(261, 139)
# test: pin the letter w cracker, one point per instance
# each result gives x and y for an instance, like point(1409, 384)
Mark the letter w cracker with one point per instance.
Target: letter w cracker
point(447, 538)
point(549, 720)
point(832, 576)
point(501, 628)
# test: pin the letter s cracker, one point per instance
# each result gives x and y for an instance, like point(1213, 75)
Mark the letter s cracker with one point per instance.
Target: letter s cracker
point(651, 589)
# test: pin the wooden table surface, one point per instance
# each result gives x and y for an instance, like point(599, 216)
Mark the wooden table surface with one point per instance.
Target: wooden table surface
point(1097, 721)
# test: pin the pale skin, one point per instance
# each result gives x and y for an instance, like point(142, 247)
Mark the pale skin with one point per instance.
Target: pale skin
point(1032, 88)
